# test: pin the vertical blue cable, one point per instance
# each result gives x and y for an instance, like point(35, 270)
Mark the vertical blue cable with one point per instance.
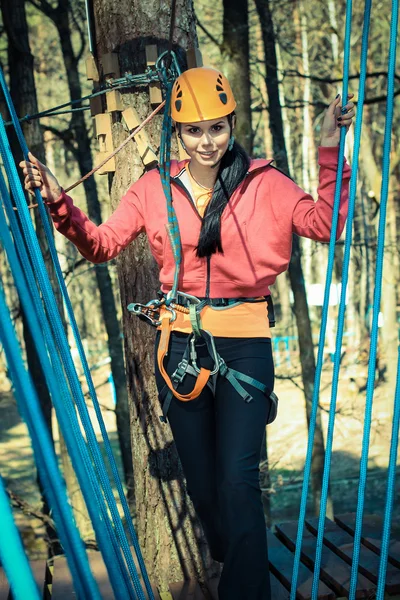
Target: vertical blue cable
point(324, 318)
point(12, 555)
point(394, 443)
point(82, 407)
point(45, 458)
point(342, 304)
point(377, 303)
point(60, 393)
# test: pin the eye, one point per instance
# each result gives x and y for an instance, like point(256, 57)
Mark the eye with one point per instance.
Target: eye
point(217, 127)
point(193, 130)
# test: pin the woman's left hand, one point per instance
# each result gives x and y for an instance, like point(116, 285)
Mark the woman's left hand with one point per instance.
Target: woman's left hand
point(336, 118)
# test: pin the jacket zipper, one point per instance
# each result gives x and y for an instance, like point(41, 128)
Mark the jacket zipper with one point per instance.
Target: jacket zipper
point(192, 204)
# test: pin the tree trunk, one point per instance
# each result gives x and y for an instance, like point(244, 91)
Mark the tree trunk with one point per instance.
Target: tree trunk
point(307, 358)
point(169, 533)
point(235, 52)
point(23, 92)
point(79, 145)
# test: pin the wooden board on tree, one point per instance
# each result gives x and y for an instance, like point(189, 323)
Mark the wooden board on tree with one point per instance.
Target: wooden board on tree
point(334, 571)
point(281, 561)
point(371, 534)
point(341, 543)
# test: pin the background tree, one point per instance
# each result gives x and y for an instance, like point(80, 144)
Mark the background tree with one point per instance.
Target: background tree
point(168, 531)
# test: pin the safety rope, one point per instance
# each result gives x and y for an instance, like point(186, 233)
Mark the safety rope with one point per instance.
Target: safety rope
point(12, 553)
point(117, 84)
point(165, 169)
point(45, 458)
point(59, 351)
point(375, 318)
point(394, 443)
point(73, 379)
point(324, 320)
point(344, 280)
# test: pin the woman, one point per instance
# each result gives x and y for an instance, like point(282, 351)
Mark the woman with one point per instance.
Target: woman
point(236, 218)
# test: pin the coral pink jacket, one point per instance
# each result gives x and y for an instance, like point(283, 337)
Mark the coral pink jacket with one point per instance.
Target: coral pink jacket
point(256, 227)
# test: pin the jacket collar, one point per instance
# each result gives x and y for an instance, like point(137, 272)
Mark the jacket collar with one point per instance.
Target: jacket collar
point(178, 167)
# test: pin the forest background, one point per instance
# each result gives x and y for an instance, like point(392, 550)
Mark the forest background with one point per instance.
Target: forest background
point(285, 66)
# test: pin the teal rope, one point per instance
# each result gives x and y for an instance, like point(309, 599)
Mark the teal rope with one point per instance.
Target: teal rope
point(45, 458)
point(321, 344)
point(394, 444)
point(74, 382)
point(165, 168)
point(12, 555)
point(377, 302)
point(342, 304)
point(56, 382)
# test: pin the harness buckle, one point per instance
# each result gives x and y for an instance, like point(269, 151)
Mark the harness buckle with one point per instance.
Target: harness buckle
point(180, 372)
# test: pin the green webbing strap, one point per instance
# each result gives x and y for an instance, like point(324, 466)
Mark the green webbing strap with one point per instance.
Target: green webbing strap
point(195, 319)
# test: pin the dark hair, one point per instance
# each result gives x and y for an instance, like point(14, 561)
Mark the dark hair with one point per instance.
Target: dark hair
point(232, 170)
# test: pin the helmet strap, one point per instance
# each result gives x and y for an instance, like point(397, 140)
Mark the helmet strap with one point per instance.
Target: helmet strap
point(180, 137)
point(231, 142)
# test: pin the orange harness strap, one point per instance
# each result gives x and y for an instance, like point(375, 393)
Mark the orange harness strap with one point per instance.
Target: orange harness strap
point(201, 380)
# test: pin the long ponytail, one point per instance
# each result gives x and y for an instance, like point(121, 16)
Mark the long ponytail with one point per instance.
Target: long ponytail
point(233, 168)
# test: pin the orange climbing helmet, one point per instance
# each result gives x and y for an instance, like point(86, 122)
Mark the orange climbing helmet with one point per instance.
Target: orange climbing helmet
point(201, 94)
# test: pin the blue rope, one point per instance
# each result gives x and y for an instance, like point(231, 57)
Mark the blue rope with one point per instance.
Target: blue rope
point(55, 379)
point(394, 443)
point(82, 405)
point(377, 302)
point(342, 304)
point(46, 460)
point(165, 168)
point(12, 555)
point(324, 320)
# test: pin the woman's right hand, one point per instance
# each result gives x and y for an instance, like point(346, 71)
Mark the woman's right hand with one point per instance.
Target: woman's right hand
point(37, 175)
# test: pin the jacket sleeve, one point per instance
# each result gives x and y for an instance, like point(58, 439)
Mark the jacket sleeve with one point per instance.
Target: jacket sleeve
point(99, 243)
point(314, 219)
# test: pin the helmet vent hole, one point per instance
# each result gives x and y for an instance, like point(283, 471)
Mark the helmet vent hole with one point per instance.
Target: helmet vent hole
point(179, 94)
point(223, 97)
point(219, 88)
point(178, 105)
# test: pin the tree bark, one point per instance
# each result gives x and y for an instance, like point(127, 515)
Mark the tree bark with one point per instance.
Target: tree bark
point(306, 346)
point(172, 542)
point(235, 53)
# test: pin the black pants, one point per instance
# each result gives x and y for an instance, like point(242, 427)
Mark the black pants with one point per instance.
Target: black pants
point(219, 442)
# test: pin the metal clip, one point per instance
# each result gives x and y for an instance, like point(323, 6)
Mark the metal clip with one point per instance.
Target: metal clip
point(147, 312)
point(214, 355)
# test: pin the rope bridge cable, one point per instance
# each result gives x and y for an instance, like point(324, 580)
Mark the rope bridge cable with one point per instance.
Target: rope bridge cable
point(72, 377)
point(117, 84)
point(324, 319)
point(375, 319)
point(12, 554)
point(46, 460)
point(345, 277)
point(64, 404)
point(394, 443)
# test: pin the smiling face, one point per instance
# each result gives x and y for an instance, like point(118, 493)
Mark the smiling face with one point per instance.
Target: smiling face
point(206, 141)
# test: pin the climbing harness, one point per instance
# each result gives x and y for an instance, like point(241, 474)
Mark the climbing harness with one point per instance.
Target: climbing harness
point(162, 315)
